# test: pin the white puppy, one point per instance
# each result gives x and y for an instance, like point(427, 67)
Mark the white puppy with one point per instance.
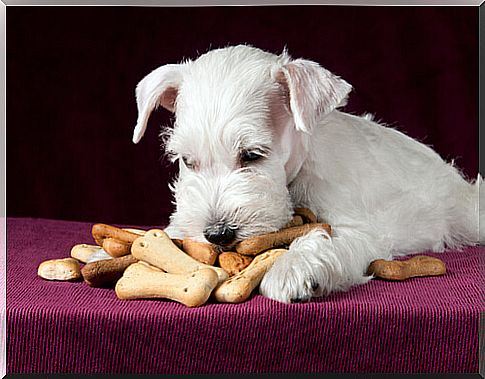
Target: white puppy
point(257, 134)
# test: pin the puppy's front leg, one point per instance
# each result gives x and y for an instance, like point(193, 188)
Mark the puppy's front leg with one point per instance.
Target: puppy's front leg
point(317, 264)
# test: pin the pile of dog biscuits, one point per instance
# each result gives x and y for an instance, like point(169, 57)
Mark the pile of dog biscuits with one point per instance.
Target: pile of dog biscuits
point(151, 265)
point(148, 264)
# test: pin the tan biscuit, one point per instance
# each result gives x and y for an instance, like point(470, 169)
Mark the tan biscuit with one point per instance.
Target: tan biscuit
point(239, 287)
point(420, 265)
point(202, 251)
point(142, 282)
point(157, 249)
point(102, 231)
point(280, 238)
point(233, 263)
point(116, 248)
point(60, 269)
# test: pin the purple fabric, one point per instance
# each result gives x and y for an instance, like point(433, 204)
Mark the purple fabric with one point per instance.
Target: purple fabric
point(72, 72)
point(421, 325)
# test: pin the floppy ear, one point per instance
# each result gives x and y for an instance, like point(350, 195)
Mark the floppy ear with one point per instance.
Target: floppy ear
point(313, 91)
point(160, 87)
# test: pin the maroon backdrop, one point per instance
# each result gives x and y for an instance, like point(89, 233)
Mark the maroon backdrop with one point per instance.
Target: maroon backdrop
point(72, 71)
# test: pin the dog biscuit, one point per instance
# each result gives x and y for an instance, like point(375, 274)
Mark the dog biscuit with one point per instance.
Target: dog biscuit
point(280, 238)
point(116, 248)
point(107, 271)
point(157, 249)
point(420, 265)
point(102, 231)
point(60, 269)
point(233, 263)
point(140, 281)
point(202, 251)
point(239, 287)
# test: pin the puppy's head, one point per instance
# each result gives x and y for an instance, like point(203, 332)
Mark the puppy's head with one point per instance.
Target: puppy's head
point(244, 119)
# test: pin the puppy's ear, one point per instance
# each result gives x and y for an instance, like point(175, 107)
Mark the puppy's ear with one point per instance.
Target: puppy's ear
point(312, 90)
point(160, 87)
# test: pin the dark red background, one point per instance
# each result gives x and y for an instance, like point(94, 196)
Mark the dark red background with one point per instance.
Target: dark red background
point(72, 71)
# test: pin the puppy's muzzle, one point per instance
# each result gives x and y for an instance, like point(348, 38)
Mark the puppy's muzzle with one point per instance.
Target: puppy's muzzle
point(220, 234)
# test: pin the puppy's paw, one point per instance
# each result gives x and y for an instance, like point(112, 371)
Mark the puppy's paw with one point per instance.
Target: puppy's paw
point(309, 269)
point(290, 280)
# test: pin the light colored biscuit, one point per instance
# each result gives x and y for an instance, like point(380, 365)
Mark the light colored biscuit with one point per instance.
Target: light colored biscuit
point(60, 269)
point(239, 287)
point(157, 249)
point(140, 281)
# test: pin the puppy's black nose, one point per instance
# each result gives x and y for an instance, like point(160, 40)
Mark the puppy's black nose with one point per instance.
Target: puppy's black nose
point(220, 235)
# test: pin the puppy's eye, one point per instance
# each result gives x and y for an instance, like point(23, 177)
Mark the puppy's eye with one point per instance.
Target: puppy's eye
point(250, 156)
point(188, 163)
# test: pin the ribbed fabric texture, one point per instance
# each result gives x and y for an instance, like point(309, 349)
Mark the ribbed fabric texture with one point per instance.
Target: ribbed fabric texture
point(423, 325)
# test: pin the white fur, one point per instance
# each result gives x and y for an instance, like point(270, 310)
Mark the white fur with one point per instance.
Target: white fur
point(383, 193)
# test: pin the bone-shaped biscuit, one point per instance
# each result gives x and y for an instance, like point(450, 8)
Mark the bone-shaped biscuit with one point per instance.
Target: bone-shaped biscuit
point(280, 238)
point(140, 281)
point(102, 231)
point(120, 244)
point(419, 265)
point(115, 241)
point(239, 287)
point(157, 249)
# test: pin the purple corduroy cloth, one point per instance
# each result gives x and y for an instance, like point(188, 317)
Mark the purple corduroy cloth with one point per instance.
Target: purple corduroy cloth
point(420, 325)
